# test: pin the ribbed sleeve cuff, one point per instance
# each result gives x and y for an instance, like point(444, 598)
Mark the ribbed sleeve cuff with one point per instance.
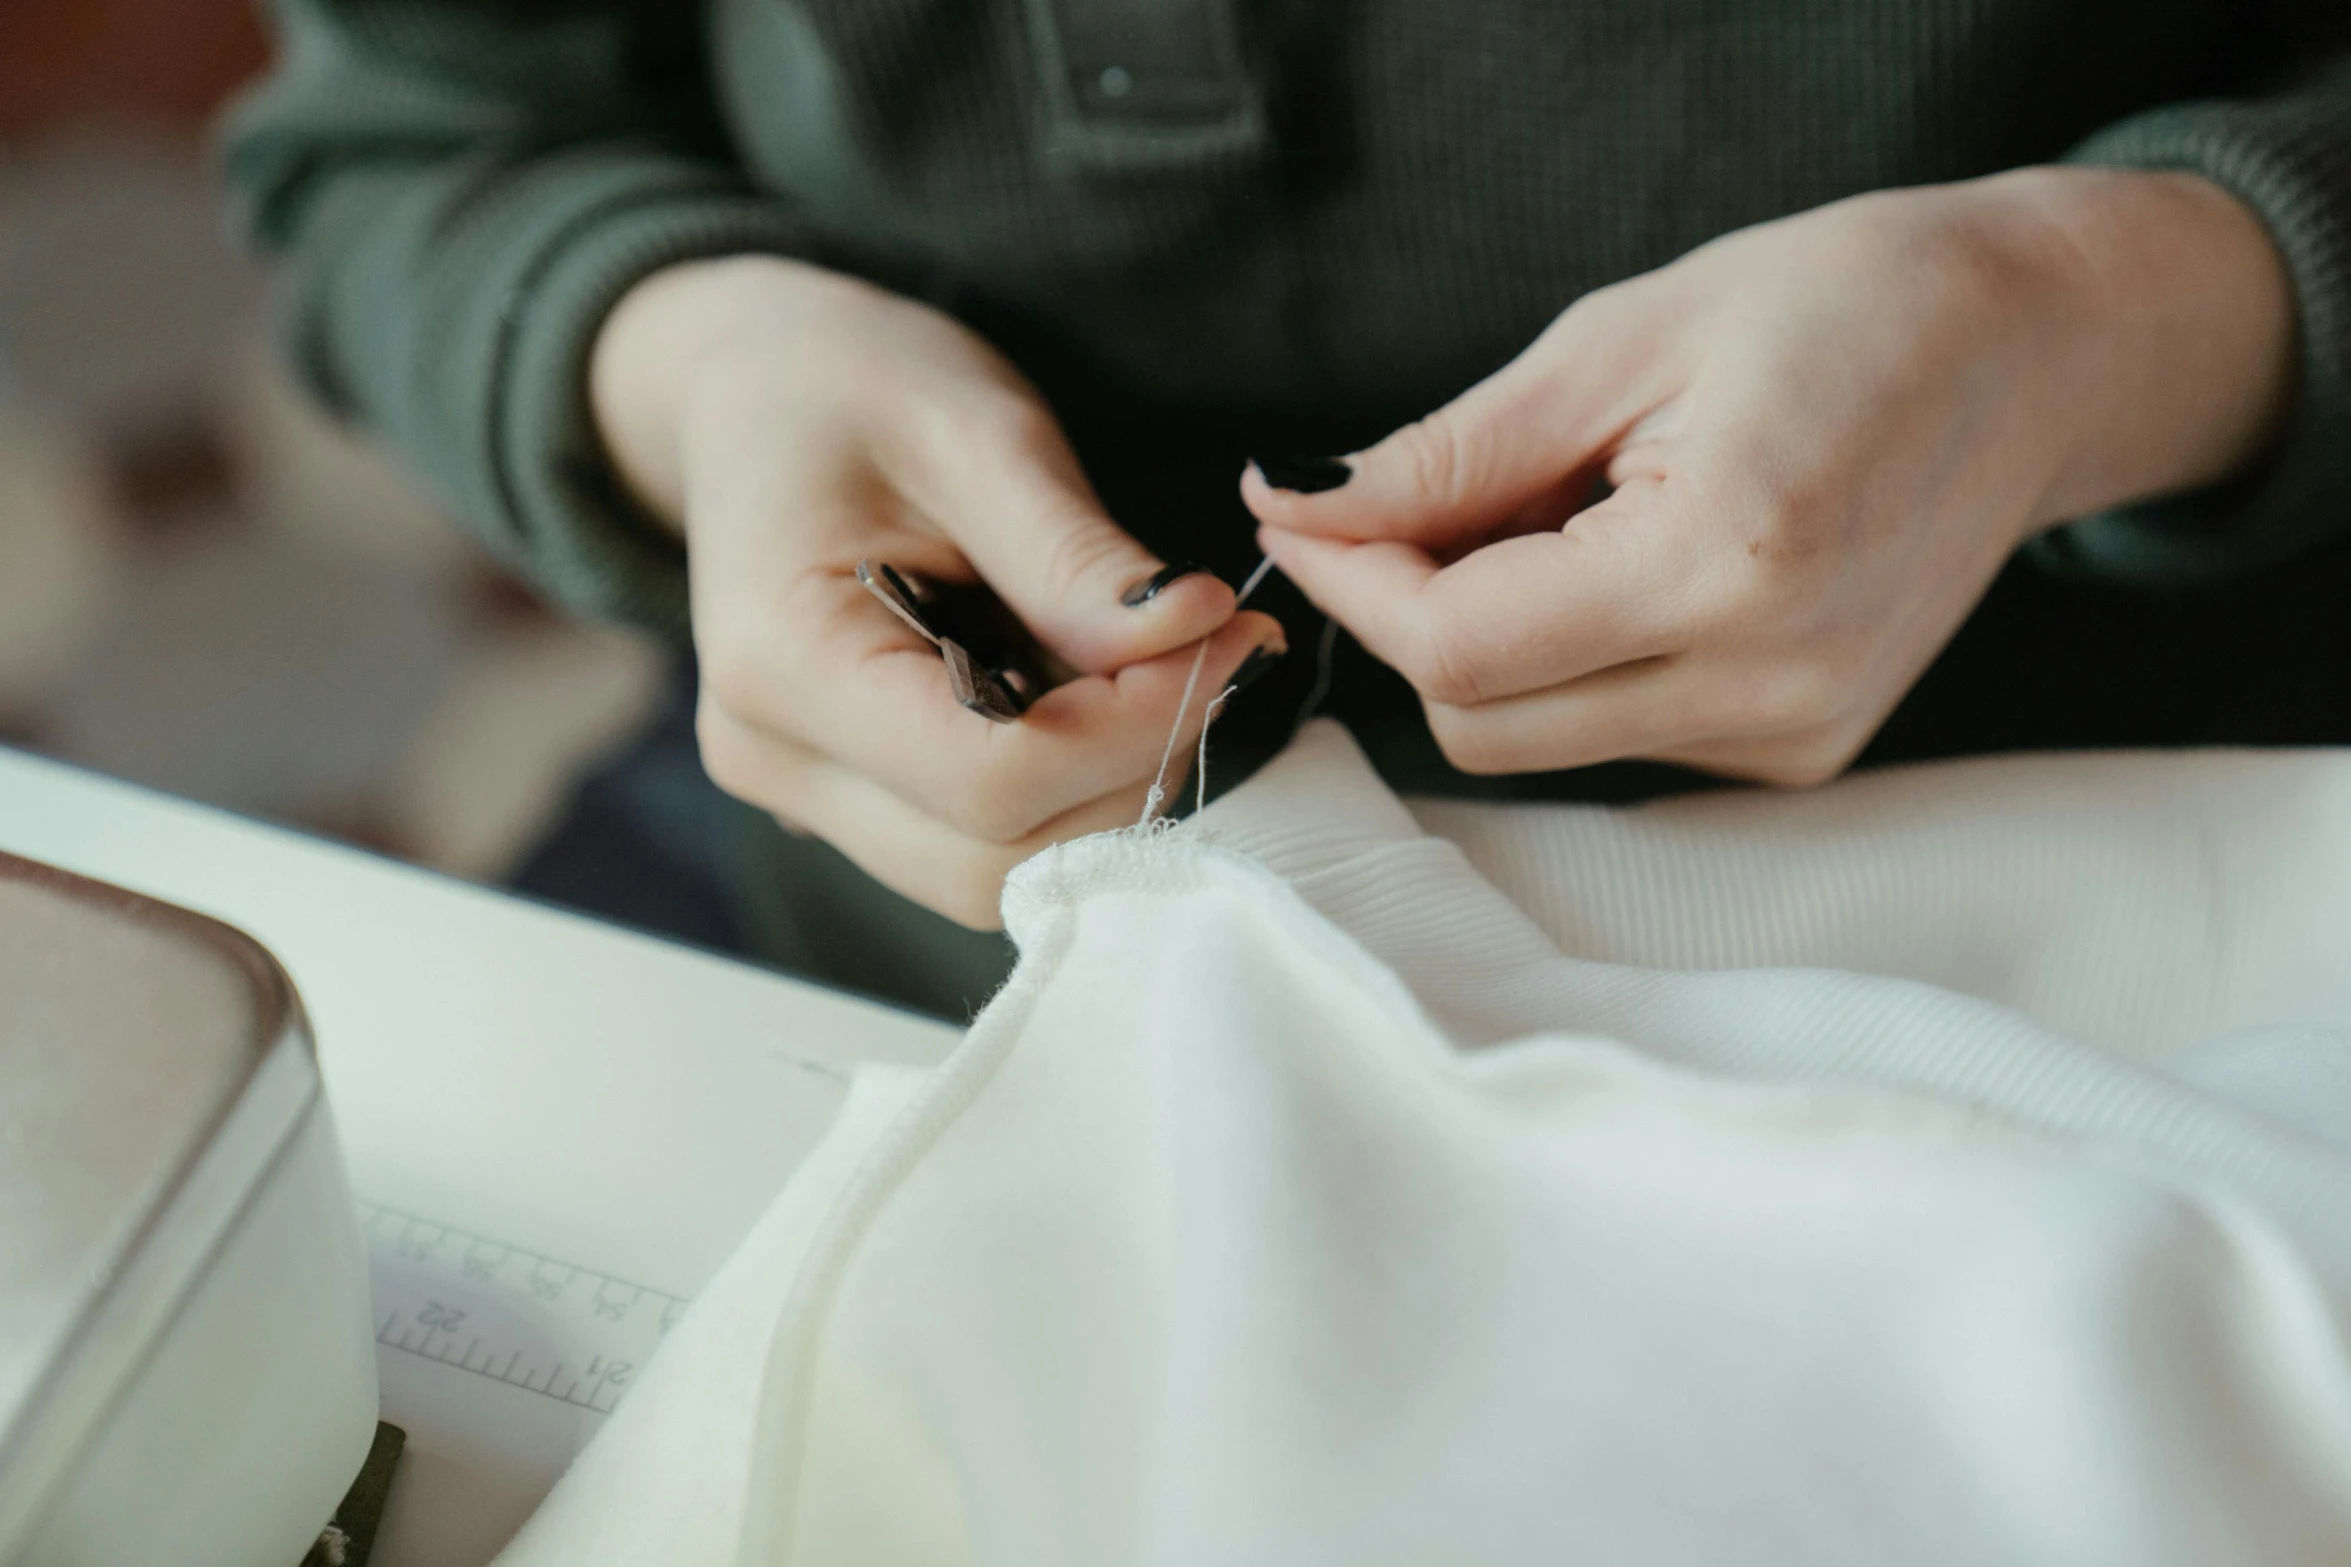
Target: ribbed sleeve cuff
point(553, 497)
point(2288, 158)
point(458, 318)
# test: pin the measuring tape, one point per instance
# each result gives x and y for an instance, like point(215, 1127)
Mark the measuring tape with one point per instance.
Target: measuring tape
point(529, 1321)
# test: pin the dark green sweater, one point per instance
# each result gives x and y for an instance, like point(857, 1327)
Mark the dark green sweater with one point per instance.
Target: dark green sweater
point(1206, 227)
point(1299, 217)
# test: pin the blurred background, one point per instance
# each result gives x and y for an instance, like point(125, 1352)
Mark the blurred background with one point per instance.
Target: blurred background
point(205, 584)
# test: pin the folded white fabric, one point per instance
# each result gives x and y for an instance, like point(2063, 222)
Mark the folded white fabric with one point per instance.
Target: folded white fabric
point(1301, 1201)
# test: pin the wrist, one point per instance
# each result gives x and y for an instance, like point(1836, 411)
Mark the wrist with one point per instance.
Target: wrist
point(2166, 321)
point(659, 352)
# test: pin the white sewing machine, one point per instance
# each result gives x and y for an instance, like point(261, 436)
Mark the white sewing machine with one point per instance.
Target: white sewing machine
point(555, 1131)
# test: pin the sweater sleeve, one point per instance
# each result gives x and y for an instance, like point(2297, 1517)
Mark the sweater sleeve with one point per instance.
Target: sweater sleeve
point(2287, 156)
point(458, 193)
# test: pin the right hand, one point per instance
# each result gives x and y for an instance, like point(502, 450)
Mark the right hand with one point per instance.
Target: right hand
point(790, 421)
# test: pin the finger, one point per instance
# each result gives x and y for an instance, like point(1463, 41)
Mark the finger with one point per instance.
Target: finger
point(1003, 484)
point(839, 675)
point(1798, 760)
point(1667, 708)
point(1535, 430)
point(1623, 581)
point(909, 851)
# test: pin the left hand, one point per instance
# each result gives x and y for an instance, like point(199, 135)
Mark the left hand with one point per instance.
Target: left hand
point(1820, 438)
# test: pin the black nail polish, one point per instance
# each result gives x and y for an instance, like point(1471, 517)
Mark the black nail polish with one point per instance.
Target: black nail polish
point(1252, 669)
point(1304, 475)
point(1146, 590)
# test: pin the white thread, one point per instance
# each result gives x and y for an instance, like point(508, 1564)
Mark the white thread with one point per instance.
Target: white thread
point(1156, 796)
point(1200, 773)
point(1158, 792)
point(1249, 585)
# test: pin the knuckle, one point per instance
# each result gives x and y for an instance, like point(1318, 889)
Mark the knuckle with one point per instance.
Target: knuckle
point(944, 431)
point(1723, 597)
point(1582, 322)
point(1791, 533)
point(996, 420)
point(1804, 769)
point(1080, 552)
point(993, 806)
point(1800, 694)
point(1802, 762)
point(1443, 457)
point(1444, 667)
point(1576, 317)
point(1780, 516)
point(1024, 425)
point(1472, 745)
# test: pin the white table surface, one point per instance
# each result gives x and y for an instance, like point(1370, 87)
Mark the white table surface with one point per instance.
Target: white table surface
point(623, 1103)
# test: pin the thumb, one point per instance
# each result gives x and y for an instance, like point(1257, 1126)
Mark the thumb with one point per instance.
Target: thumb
point(1539, 427)
point(1020, 510)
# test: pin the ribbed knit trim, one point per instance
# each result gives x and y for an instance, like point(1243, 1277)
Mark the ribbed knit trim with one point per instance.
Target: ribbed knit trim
point(579, 531)
point(1488, 973)
point(2288, 158)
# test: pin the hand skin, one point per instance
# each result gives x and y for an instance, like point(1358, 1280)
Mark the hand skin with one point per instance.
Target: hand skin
point(1824, 436)
point(789, 421)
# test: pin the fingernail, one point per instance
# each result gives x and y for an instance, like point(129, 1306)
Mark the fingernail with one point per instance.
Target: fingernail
point(1148, 589)
point(1304, 475)
point(1253, 667)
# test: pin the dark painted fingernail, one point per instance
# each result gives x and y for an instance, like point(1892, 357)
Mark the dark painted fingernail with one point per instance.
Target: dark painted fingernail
point(1304, 475)
point(1253, 667)
point(1148, 589)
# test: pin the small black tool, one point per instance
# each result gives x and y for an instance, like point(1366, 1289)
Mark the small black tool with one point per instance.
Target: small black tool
point(994, 666)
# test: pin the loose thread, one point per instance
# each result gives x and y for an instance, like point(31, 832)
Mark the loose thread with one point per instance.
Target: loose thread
point(1156, 796)
point(1200, 773)
point(1249, 585)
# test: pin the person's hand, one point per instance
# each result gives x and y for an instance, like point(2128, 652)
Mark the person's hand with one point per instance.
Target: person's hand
point(791, 421)
point(1814, 443)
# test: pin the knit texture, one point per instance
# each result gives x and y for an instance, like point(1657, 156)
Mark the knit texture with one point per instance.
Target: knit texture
point(1305, 221)
point(2289, 158)
point(1306, 1199)
point(466, 199)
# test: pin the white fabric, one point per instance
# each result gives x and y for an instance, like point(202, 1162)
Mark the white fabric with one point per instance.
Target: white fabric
point(1301, 1201)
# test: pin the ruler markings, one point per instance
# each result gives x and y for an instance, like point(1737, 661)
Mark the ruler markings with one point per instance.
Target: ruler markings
point(509, 1314)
